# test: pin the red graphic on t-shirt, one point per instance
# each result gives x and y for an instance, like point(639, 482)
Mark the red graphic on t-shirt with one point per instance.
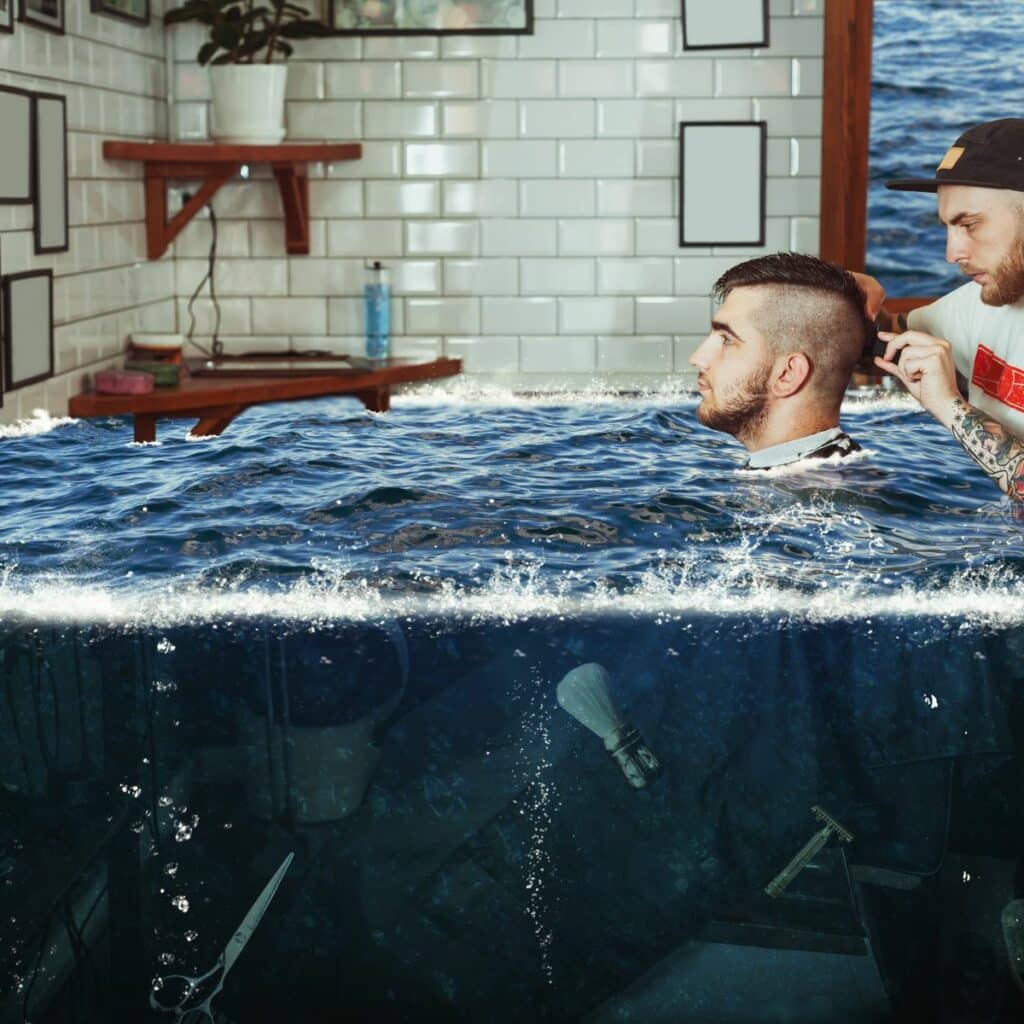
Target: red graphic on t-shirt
point(998, 378)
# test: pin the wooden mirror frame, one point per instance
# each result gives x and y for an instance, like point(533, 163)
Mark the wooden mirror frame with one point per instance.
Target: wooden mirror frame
point(845, 138)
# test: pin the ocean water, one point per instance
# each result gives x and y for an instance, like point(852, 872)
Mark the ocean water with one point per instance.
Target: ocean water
point(485, 500)
point(939, 66)
point(339, 635)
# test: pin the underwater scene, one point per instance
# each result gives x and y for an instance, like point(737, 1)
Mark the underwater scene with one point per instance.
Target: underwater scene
point(507, 708)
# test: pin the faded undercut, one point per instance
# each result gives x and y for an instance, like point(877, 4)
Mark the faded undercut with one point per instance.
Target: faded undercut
point(807, 306)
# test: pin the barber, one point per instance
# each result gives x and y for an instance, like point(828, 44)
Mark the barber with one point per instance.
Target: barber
point(978, 329)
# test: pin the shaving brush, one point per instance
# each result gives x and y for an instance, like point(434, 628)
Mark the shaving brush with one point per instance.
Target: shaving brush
point(586, 695)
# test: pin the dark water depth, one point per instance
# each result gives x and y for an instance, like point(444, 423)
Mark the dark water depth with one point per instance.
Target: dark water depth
point(465, 849)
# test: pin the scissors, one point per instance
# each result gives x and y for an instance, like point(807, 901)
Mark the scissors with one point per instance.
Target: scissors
point(187, 987)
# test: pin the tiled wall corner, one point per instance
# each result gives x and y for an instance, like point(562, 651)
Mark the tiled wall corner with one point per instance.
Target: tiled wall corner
point(112, 73)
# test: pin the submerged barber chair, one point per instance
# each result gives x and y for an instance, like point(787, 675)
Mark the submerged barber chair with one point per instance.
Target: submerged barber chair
point(309, 727)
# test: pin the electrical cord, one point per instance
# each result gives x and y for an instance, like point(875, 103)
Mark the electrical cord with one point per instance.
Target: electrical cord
point(216, 349)
point(12, 709)
point(36, 677)
point(56, 710)
point(85, 767)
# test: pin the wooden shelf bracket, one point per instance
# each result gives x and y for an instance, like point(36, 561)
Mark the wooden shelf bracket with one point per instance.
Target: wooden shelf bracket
point(159, 232)
point(215, 164)
point(293, 182)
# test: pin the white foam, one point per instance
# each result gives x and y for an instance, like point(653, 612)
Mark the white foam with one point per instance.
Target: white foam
point(467, 391)
point(977, 598)
point(489, 393)
point(41, 422)
point(809, 466)
point(868, 400)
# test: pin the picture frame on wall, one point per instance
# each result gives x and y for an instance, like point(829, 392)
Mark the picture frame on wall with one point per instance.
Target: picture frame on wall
point(430, 17)
point(724, 24)
point(136, 11)
point(16, 153)
point(50, 172)
point(28, 328)
point(7, 15)
point(722, 183)
point(48, 14)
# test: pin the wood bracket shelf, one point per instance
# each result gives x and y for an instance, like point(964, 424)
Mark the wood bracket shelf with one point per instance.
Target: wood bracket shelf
point(215, 164)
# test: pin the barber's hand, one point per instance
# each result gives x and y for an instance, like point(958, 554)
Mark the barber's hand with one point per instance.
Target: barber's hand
point(874, 293)
point(927, 369)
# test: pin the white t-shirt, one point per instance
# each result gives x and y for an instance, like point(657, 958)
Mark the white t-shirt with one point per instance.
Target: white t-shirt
point(988, 349)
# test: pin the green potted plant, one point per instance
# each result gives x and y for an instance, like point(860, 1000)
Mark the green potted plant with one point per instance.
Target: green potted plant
point(248, 43)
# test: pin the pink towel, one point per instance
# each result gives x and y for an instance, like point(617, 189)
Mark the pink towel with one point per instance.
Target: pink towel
point(123, 382)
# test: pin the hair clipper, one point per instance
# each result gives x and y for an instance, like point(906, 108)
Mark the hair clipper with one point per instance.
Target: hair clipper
point(876, 347)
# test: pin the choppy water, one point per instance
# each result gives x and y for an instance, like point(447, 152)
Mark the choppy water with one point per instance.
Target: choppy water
point(939, 66)
point(338, 634)
point(495, 504)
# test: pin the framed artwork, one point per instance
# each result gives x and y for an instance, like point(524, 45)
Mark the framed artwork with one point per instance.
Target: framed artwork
point(16, 152)
point(7, 15)
point(28, 328)
point(724, 24)
point(129, 10)
point(430, 17)
point(722, 183)
point(50, 173)
point(44, 13)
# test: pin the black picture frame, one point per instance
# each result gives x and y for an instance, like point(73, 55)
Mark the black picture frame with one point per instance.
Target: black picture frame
point(724, 170)
point(17, 115)
point(740, 40)
point(49, 176)
point(3, 342)
point(7, 15)
point(526, 30)
point(29, 13)
point(104, 7)
point(15, 308)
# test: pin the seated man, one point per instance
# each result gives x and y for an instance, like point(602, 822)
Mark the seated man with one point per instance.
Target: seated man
point(779, 357)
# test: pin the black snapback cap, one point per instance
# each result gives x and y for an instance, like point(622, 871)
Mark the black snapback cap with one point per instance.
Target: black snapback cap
point(989, 155)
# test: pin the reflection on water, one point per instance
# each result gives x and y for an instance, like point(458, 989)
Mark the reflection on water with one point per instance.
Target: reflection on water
point(467, 849)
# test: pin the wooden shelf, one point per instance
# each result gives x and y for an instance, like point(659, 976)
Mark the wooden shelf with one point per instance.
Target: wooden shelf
point(217, 163)
point(215, 402)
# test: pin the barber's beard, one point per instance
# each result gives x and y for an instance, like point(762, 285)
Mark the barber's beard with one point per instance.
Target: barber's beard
point(1007, 284)
point(742, 410)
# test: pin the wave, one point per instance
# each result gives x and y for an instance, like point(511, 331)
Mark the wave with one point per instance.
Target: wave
point(41, 422)
point(987, 597)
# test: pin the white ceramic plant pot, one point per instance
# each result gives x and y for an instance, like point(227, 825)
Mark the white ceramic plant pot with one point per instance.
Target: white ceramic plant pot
point(248, 103)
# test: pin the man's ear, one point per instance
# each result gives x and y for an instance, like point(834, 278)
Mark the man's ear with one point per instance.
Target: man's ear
point(792, 372)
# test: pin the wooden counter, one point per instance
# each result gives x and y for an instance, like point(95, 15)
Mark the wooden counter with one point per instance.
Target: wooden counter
point(215, 400)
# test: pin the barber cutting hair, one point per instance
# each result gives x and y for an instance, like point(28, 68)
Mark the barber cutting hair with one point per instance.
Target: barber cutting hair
point(978, 329)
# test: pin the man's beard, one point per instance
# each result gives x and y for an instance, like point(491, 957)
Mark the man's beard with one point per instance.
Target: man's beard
point(1007, 284)
point(743, 410)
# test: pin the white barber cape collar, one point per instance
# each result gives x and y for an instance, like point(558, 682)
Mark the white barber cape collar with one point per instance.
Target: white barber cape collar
point(793, 451)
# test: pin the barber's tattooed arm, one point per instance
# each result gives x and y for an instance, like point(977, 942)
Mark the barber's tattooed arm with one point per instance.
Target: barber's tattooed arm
point(998, 452)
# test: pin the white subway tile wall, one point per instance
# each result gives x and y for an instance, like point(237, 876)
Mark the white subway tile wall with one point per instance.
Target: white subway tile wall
point(112, 74)
point(524, 190)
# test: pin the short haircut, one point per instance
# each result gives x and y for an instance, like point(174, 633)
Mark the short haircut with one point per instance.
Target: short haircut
point(809, 306)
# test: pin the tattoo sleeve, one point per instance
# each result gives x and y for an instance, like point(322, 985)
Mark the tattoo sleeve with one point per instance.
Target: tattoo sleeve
point(998, 452)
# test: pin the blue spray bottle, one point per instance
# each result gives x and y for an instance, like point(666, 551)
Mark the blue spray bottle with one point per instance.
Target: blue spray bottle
point(377, 304)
